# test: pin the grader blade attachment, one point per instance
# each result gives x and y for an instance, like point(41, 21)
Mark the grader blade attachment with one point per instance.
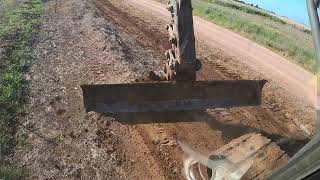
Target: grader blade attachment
point(171, 96)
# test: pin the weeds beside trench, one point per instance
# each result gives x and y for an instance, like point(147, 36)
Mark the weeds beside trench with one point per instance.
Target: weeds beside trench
point(18, 27)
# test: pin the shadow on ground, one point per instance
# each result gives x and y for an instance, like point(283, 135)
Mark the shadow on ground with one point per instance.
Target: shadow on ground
point(229, 131)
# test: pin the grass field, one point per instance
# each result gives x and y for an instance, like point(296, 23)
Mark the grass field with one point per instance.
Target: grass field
point(18, 26)
point(263, 27)
point(287, 39)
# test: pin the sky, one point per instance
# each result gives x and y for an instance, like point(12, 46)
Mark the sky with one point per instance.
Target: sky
point(293, 9)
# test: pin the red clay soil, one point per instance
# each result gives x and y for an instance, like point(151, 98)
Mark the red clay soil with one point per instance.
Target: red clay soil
point(283, 119)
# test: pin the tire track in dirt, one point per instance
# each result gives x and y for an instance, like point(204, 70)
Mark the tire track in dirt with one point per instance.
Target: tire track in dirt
point(204, 130)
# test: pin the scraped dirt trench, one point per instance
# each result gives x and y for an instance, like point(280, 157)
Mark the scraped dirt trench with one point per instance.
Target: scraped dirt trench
point(101, 41)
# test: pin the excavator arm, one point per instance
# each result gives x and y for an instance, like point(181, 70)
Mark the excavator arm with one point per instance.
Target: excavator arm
point(181, 64)
point(181, 91)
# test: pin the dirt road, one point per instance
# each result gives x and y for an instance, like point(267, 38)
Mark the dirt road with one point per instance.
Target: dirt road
point(273, 66)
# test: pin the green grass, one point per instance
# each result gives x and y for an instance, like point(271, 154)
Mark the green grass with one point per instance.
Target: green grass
point(262, 27)
point(18, 26)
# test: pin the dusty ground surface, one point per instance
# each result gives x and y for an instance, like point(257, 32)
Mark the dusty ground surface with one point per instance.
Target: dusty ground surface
point(77, 47)
point(275, 68)
point(92, 42)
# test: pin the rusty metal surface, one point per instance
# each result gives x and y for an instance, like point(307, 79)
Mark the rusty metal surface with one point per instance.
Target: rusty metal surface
point(171, 96)
point(181, 64)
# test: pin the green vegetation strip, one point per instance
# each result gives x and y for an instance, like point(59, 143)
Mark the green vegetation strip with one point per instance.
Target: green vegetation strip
point(18, 27)
point(248, 10)
point(274, 38)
